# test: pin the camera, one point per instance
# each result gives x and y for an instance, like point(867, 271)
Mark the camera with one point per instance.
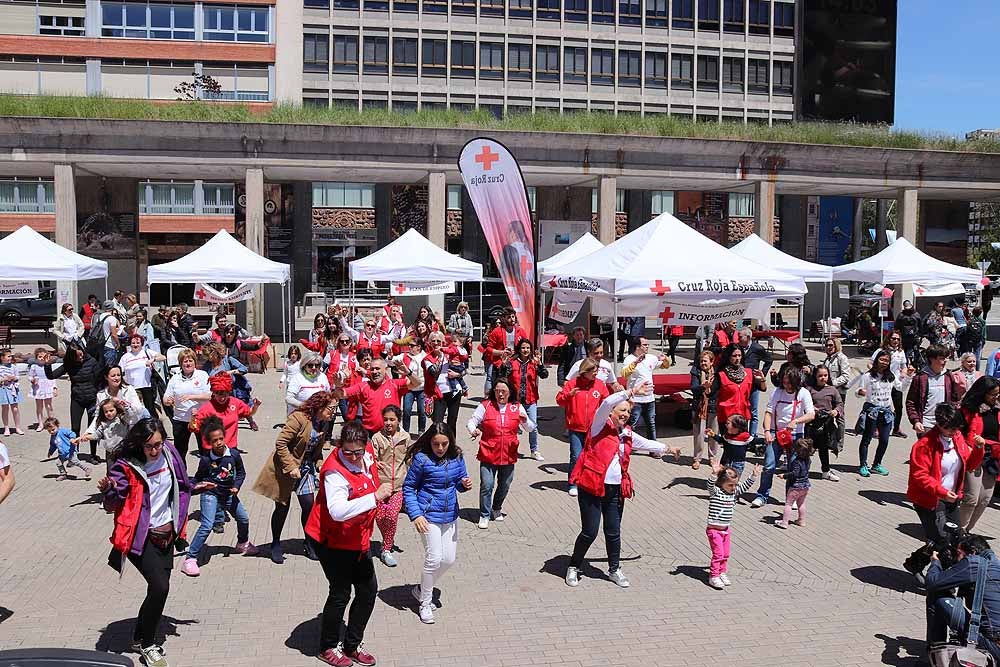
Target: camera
point(946, 548)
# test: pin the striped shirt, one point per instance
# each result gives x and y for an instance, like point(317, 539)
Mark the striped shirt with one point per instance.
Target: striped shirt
point(720, 503)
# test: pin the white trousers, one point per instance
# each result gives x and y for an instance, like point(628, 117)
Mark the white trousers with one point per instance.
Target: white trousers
point(440, 545)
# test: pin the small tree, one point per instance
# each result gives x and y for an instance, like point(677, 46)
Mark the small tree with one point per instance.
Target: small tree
point(197, 87)
point(989, 233)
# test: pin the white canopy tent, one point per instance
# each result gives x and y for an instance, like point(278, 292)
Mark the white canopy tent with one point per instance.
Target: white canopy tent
point(901, 262)
point(223, 259)
point(582, 247)
point(30, 256)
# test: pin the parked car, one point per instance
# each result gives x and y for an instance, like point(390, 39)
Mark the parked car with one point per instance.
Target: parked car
point(39, 312)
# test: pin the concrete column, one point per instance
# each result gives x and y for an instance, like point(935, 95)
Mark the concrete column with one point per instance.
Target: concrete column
point(437, 201)
point(907, 206)
point(288, 52)
point(606, 204)
point(858, 227)
point(255, 242)
point(763, 223)
point(65, 192)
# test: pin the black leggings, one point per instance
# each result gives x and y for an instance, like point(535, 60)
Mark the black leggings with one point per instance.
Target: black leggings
point(592, 509)
point(280, 513)
point(182, 438)
point(449, 403)
point(76, 416)
point(148, 396)
point(897, 406)
point(672, 342)
point(154, 565)
point(345, 570)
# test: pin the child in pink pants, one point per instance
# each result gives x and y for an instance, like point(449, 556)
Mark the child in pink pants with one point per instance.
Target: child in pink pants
point(797, 483)
point(723, 489)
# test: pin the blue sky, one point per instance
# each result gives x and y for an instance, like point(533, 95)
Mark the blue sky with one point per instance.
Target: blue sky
point(947, 78)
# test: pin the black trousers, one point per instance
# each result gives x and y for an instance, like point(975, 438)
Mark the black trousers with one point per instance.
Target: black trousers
point(182, 438)
point(932, 521)
point(672, 342)
point(76, 412)
point(449, 404)
point(592, 508)
point(154, 565)
point(897, 406)
point(345, 570)
point(148, 396)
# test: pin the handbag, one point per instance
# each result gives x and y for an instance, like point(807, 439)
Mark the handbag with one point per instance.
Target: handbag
point(969, 654)
point(785, 437)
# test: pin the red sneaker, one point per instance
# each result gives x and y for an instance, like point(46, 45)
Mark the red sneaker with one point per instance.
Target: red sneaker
point(361, 656)
point(335, 657)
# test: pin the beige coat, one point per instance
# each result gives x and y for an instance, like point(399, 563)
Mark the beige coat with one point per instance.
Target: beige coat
point(390, 454)
point(275, 479)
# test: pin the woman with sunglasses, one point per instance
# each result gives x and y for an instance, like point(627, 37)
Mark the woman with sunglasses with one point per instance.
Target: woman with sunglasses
point(319, 326)
point(309, 380)
point(437, 387)
point(898, 364)
point(341, 368)
point(412, 359)
point(68, 327)
point(370, 338)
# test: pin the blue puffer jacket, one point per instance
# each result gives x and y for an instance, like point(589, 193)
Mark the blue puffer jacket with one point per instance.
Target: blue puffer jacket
point(431, 486)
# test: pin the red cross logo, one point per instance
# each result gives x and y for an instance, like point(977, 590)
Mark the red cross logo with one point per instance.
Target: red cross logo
point(400, 288)
point(596, 394)
point(667, 314)
point(487, 158)
point(553, 283)
point(200, 294)
point(388, 393)
point(659, 289)
point(919, 291)
point(525, 265)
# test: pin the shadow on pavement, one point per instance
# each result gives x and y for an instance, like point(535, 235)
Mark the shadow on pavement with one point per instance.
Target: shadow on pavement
point(556, 566)
point(887, 577)
point(116, 637)
point(305, 637)
point(914, 530)
point(698, 483)
point(401, 597)
point(696, 572)
point(92, 499)
point(885, 497)
point(552, 468)
point(549, 485)
point(894, 646)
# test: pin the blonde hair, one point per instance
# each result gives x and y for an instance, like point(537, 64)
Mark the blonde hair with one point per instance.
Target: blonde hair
point(215, 350)
point(186, 353)
point(588, 365)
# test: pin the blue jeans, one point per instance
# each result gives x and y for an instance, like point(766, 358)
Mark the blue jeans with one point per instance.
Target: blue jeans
point(489, 379)
point(978, 351)
point(489, 475)
point(110, 357)
point(576, 440)
point(754, 412)
point(772, 453)
point(409, 399)
point(646, 411)
point(884, 427)
point(532, 411)
point(209, 504)
point(949, 613)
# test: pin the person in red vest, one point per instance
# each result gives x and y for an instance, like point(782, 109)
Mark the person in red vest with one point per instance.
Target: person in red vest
point(339, 529)
point(341, 368)
point(497, 422)
point(733, 384)
point(524, 369)
point(378, 392)
point(369, 338)
point(725, 335)
point(580, 398)
point(602, 479)
point(502, 339)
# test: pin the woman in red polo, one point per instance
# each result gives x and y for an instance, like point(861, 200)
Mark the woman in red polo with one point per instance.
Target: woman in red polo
point(224, 406)
point(496, 422)
point(339, 529)
point(733, 384)
point(603, 482)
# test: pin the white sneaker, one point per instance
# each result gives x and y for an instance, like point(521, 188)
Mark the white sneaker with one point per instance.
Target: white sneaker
point(725, 579)
point(572, 491)
point(427, 614)
point(619, 578)
point(537, 456)
point(499, 516)
point(153, 656)
point(572, 576)
point(757, 502)
point(831, 476)
point(717, 583)
point(484, 523)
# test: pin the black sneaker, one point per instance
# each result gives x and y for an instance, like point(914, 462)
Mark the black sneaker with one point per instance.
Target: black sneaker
point(219, 528)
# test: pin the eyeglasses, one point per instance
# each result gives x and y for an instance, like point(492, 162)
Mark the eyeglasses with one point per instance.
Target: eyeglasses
point(344, 341)
point(153, 446)
point(352, 452)
point(311, 366)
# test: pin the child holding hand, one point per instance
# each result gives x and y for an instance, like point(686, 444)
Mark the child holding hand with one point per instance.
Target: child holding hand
point(797, 482)
point(61, 442)
point(734, 442)
point(723, 490)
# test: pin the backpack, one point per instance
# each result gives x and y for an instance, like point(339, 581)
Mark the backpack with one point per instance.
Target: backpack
point(96, 338)
point(974, 331)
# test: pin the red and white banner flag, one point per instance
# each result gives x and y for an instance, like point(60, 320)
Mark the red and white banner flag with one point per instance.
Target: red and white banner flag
point(493, 180)
point(419, 287)
point(203, 292)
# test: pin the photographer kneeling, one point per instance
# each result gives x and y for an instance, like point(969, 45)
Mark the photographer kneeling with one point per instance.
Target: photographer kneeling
point(945, 612)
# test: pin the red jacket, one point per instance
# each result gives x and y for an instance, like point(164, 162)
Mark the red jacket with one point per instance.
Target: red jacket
point(496, 342)
point(974, 427)
point(374, 399)
point(319, 347)
point(531, 385)
point(355, 533)
point(127, 516)
point(924, 488)
point(581, 408)
point(596, 457)
point(732, 398)
point(498, 443)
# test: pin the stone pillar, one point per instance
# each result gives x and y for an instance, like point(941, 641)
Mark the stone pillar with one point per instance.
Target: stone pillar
point(606, 204)
point(65, 192)
point(288, 52)
point(858, 227)
point(763, 223)
point(255, 242)
point(907, 206)
point(437, 200)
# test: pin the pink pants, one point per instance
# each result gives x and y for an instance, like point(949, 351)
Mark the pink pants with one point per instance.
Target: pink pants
point(718, 539)
point(387, 518)
point(795, 496)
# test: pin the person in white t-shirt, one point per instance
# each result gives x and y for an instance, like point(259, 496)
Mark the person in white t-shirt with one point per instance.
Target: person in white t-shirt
point(638, 370)
point(137, 366)
point(186, 391)
point(605, 371)
point(309, 380)
point(790, 408)
point(110, 328)
point(6, 473)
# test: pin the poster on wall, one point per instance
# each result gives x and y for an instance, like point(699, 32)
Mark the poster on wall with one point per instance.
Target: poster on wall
point(279, 220)
point(836, 226)
point(557, 235)
point(105, 235)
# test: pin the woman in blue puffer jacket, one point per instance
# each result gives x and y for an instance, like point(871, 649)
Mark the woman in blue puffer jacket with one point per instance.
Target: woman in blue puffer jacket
point(430, 495)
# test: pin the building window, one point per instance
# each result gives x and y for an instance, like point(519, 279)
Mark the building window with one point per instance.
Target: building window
point(235, 24)
point(683, 14)
point(708, 15)
point(463, 59)
point(338, 4)
point(760, 17)
point(404, 6)
point(784, 19)
point(377, 5)
point(315, 52)
point(491, 60)
point(346, 195)
point(681, 75)
point(547, 9)
point(629, 68)
point(467, 7)
point(531, 197)
point(657, 13)
point(345, 54)
point(404, 55)
point(435, 57)
point(619, 200)
point(663, 202)
point(547, 59)
point(732, 16)
point(65, 26)
point(656, 70)
point(146, 21)
point(166, 198)
point(732, 75)
point(757, 76)
point(782, 81)
point(27, 196)
point(602, 11)
point(740, 205)
point(708, 73)
point(491, 7)
point(629, 12)
point(455, 197)
point(316, 4)
point(519, 61)
point(217, 199)
point(376, 55)
point(520, 9)
point(575, 64)
point(576, 10)
point(602, 66)
point(435, 6)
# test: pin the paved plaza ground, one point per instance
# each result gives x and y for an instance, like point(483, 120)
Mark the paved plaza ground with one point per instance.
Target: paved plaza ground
point(830, 593)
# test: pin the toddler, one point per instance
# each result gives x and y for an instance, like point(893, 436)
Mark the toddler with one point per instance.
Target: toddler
point(61, 442)
point(456, 363)
point(797, 482)
point(43, 390)
point(734, 442)
point(109, 428)
point(10, 392)
point(723, 491)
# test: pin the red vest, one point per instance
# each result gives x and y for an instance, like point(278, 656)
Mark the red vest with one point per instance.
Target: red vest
point(596, 457)
point(353, 534)
point(531, 387)
point(430, 379)
point(374, 344)
point(334, 368)
point(498, 443)
point(733, 399)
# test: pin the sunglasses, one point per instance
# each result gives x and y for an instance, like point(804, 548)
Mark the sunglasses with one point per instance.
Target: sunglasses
point(370, 325)
point(344, 341)
point(352, 452)
point(311, 366)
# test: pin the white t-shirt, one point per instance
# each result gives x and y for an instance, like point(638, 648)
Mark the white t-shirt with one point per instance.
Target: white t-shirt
point(605, 372)
point(4, 456)
point(161, 482)
point(301, 388)
point(107, 323)
point(137, 373)
point(69, 328)
point(782, 404)
point(190, 386)
point(643, 373)
point(951, 464)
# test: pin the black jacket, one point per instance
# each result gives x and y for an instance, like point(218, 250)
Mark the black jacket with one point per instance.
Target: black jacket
point(83, 379)
point(569, 354)
point(756, 357)
point(908, 325)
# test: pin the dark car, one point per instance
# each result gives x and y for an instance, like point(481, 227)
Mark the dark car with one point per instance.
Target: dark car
point(39, 312)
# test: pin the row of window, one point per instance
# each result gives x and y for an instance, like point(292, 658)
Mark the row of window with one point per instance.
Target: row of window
point(27, 196)
point(190, 198)
point(601, 65)
point(737, 16)
point(154, 20)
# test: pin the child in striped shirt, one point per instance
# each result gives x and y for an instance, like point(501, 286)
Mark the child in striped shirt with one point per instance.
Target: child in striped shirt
point(723, 491)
